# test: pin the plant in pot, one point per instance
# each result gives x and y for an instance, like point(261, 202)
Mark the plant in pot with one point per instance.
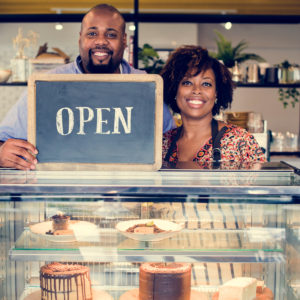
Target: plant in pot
point(288, 96)
point(230, 54)
point(150, 59)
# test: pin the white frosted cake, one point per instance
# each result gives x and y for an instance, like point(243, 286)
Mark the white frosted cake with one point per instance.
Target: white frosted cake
point(239, 288)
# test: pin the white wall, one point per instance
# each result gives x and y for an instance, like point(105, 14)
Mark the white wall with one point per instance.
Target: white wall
point(274, 42)
point(66, 40)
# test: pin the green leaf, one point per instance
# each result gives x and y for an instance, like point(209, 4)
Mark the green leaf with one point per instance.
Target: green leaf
point(229, 54)
point(150, 59)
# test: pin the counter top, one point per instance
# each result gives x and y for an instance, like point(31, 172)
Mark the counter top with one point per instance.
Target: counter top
point(271, 179)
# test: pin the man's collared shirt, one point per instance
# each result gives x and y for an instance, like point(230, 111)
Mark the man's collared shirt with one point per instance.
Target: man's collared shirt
point(14, 125)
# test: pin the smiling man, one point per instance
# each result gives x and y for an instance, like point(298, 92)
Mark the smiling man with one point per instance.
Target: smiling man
point(102, 42)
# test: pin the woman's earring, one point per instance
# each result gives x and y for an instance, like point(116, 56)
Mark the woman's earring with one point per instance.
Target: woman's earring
point(216, 100)
point(175, 98)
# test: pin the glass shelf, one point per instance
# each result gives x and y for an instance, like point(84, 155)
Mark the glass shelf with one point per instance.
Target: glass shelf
point(188, 245)
point(268, 179)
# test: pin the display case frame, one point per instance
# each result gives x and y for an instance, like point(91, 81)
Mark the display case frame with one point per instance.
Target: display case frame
point(269, 195)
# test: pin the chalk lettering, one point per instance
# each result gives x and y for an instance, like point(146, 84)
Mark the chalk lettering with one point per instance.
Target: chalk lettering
point(100, 121)
point(86, 114)
point(59, 121)
point(120, 117)
point(82, 120)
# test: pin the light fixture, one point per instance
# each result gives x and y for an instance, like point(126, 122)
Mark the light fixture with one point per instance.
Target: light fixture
point(59, 26)
point(228, 25)
point(131, 27)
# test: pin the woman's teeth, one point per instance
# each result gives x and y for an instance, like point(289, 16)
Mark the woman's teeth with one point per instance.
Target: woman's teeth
point(196, 102)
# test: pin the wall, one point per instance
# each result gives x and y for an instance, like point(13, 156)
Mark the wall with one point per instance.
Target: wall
point(274, 42)
point(66, 40)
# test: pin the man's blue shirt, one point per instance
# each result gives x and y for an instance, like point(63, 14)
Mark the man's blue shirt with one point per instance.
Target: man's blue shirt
point(14, 125)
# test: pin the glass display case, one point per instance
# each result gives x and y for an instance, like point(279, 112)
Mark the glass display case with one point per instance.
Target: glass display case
point(223, 224)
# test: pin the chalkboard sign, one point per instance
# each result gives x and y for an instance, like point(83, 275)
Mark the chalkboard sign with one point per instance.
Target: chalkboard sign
point(96, 122)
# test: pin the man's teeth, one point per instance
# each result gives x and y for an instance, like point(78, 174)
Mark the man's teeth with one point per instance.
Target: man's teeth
point(196, 101)
point(100, 54)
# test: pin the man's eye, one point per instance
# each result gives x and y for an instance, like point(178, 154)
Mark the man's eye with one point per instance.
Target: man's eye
point(92, 33)
point(111, 35)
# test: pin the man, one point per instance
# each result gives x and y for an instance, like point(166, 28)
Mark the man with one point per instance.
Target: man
point(102, 42)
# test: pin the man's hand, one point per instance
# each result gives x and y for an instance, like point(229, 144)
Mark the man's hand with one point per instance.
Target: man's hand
point(17, 154)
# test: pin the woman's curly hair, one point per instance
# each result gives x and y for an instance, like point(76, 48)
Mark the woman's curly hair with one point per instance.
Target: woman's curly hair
point(195, 58)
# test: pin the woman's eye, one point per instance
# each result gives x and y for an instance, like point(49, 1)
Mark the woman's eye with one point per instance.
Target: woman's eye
point(206, 84)
point(186, 82)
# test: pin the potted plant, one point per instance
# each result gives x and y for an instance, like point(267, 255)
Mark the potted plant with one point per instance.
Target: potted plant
point(150, 59)
point(289, 96)
point(285, 75)
point(230, 54)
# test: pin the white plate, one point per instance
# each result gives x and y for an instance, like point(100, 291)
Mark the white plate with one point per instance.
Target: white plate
point(97, 295)
point(80, 228)
point(170, 227)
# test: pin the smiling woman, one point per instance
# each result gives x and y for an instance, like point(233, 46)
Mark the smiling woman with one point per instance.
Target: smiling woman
point(198, 86)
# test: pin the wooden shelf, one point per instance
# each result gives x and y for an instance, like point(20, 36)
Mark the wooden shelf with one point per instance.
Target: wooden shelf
point(248, 85)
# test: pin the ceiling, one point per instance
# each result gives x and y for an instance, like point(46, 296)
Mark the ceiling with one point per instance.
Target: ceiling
point(240, 7)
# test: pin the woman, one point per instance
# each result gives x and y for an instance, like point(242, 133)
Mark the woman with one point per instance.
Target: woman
point(198, 86)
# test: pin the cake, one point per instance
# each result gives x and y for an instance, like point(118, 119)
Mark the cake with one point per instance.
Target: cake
point(147, 228)
point(65, 282)
point(243, 288)
point(60, 225)
point(165, 281)
point(60, 222)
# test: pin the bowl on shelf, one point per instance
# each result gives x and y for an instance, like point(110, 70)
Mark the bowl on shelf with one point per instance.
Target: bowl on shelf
point(4, 75)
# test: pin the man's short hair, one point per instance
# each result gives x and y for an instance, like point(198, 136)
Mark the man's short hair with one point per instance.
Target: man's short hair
point(107, 7)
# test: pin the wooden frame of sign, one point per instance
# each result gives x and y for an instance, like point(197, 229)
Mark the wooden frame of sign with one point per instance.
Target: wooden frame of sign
point(96, 121)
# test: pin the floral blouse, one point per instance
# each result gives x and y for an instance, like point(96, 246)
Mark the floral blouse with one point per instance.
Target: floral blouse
point(237, 145)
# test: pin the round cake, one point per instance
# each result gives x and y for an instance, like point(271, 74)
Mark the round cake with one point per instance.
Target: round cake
point(60, 222)
point(165, 281)
point(65, 281)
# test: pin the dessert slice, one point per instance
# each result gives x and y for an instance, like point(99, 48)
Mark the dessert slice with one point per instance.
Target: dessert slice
point(239, 288)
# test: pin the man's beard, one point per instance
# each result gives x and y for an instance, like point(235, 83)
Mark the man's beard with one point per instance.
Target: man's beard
point(109, 68)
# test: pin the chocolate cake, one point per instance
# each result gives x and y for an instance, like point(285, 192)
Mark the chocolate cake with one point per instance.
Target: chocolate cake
point(60, 222)
point(65, 281)
point(165, 281)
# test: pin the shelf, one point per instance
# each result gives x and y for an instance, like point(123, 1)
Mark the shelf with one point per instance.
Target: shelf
point(239, 84)
point(266, 179)
point(189, 245)
point(268, 85)
point(13, 83)
point(285, 153)
point(160, 18)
